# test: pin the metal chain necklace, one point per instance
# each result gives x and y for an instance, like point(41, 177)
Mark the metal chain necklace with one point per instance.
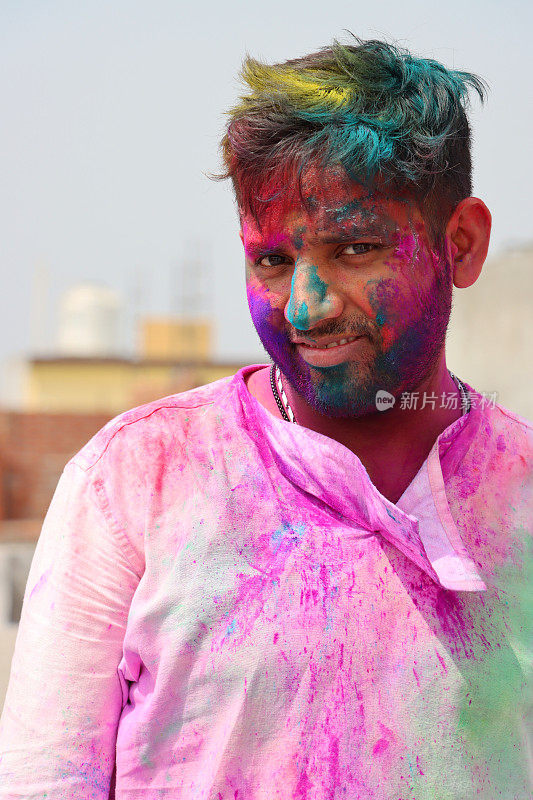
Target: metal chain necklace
point(288, 414)
point(279, 394)
point(466, 403)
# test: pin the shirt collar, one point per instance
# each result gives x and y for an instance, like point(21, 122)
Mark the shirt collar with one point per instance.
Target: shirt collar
point(420, 524)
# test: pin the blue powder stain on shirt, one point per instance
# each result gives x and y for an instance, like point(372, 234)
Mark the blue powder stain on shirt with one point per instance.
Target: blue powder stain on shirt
point(276, 539)
point(290, 534)
point(231, 627)
point(391, 515)
point(93, 776)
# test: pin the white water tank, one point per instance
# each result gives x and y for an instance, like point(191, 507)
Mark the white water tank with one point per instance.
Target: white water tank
point(89, 315)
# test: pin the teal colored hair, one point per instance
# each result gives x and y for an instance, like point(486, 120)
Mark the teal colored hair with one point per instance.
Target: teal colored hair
point(371, 107)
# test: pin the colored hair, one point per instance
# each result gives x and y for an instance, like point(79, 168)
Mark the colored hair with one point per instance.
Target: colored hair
point(371, 107)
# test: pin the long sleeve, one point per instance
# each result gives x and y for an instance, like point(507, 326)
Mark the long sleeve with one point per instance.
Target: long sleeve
point(65, 695)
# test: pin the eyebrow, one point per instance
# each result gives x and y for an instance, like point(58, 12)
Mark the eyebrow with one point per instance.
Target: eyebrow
point(339, 238)
point(355, 233)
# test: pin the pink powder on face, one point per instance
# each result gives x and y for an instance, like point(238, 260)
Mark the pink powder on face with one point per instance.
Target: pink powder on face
point(401, 300)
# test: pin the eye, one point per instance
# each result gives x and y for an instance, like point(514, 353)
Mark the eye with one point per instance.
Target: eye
point(360, 248)
point(275, 260)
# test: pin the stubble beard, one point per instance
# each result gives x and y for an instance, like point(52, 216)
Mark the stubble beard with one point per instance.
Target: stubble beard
point(348, 390)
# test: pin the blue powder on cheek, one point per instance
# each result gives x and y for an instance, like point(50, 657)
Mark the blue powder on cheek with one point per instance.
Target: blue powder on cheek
point(380, 318)
point(408, 349)
point(382, 294)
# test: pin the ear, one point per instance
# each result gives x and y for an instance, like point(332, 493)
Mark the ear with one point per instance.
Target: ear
point(467, 240)
point(241, 237)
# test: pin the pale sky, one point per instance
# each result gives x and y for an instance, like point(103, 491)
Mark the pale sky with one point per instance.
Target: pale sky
point(113, 109)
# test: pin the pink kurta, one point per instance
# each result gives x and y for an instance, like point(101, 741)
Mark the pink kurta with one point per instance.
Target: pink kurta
point(222, 606)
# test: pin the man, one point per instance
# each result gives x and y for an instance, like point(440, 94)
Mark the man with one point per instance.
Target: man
point(310, 580)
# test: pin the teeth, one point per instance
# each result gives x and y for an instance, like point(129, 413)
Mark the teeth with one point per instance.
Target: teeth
point(333, 344)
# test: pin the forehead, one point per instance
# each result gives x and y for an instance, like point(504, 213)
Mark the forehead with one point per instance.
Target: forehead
point(328, 201)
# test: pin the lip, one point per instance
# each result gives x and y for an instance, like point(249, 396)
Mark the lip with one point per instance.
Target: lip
point(318, 357)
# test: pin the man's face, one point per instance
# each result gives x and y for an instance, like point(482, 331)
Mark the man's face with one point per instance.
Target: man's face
point(355, 263)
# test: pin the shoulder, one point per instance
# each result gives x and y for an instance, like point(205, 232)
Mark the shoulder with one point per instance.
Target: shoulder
point(515, 421)
point(502, 448)
point(141, 431)
point(509, 430)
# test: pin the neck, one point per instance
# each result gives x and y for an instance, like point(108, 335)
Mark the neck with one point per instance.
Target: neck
point(392, 445)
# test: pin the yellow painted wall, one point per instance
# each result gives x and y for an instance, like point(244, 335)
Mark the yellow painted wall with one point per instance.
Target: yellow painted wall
point(183, 339)
point(95, 385)
point(71, 385)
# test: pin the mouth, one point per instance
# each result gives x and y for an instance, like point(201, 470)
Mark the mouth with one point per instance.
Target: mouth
point(332, 353)
point(329, 345)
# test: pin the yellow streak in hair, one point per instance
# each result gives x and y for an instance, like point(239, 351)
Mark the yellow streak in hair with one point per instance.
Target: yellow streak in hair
point(294, 81)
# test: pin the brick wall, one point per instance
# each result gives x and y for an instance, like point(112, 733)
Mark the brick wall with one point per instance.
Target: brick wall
point(34, 448)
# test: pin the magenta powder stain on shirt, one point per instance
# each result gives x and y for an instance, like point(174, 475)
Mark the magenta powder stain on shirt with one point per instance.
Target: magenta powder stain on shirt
point(500, 444)
point(380, 746)
point(237, 612)
point(42, 580)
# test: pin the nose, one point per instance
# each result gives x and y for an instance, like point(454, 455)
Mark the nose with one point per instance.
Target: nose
point(311, 300)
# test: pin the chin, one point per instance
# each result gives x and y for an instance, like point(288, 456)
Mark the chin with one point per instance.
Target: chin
point(342, 391)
